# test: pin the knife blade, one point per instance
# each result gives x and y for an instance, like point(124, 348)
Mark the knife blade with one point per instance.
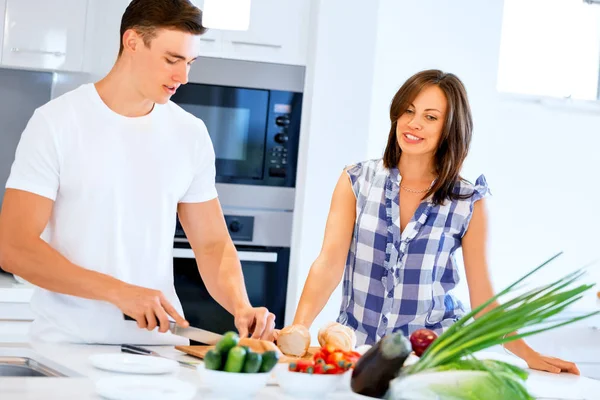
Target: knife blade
point(197, 334)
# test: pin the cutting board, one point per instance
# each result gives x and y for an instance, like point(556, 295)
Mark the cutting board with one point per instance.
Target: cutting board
point(258, 346)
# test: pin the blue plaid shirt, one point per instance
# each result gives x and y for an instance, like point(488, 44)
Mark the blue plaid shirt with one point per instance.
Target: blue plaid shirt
point(397, 281)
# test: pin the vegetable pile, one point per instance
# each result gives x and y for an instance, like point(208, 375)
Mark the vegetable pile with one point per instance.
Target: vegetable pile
point(447, 368)
point(229, 356)
point(328, 360)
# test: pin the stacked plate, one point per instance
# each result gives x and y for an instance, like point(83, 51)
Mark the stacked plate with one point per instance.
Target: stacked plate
point(137, 385)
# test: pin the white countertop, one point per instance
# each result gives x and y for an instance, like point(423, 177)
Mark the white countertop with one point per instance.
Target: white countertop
point(75, 358)
point(12, 291)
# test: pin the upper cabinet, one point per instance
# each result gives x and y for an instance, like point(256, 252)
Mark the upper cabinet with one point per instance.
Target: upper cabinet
point(278, 33)
point(2, 10)
point(211, 44)
point(42, 34)
point(103, 38)
point(83, 35)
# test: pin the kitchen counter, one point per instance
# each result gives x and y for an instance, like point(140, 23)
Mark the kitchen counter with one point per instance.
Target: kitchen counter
point(12, 291)
point(75, 358)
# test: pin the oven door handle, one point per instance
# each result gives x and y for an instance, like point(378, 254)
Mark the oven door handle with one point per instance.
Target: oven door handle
point(259, 256)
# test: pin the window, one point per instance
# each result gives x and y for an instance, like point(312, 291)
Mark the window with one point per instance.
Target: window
point(550, 48)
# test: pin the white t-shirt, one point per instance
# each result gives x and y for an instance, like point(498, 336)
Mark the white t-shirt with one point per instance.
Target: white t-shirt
point(116, 182)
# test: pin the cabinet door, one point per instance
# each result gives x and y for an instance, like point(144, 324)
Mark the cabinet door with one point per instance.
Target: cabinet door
point(278, 33)
point(2, 13)
point(103, 35)
point(211, 42)
point(44, 34)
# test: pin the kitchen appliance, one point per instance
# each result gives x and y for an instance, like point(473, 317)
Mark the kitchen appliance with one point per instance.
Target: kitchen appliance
point(262, 237)
point(255, 132)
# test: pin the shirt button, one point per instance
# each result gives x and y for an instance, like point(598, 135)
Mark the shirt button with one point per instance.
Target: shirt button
point(390, 294)
point(384, 319)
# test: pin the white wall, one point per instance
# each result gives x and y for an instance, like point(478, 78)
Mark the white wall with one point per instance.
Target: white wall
point(334, 127)
point(540, 162)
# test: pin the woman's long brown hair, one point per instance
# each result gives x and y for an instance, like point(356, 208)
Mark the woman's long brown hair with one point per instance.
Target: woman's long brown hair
point(456, 133)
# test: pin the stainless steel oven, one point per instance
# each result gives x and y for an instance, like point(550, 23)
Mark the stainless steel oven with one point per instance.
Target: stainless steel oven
point(262, 237)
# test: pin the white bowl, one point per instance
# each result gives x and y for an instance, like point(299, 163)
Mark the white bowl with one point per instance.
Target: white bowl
point(232, 384)
point(307, 385)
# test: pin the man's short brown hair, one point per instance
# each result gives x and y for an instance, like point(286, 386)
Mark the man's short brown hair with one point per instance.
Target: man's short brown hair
point(147, 16)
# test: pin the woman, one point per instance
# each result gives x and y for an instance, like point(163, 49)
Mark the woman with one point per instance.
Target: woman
point(395, 224)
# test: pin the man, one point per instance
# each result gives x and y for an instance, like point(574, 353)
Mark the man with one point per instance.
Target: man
point(99, 175)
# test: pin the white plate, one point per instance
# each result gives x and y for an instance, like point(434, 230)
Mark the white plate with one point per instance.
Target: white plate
point(144, 388)
point(133, 363)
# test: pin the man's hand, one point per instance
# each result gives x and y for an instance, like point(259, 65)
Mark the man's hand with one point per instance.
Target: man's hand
point(148, 307)
point(256, 320)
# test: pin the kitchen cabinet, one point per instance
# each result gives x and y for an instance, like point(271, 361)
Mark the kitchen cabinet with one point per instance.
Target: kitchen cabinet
point(211, 43)
point(278, 33)
point(103, 38)
point(41, 34)
point(2, 13)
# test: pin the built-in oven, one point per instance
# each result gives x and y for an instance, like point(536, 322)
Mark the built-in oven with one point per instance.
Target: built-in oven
point(262, 236)
point(255, 132)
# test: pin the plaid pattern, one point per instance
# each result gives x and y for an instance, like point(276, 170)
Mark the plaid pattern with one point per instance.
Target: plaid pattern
point(397, 281)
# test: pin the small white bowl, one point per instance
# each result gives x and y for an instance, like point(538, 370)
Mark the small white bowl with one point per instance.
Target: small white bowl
point(232, 384)
point(300, 384)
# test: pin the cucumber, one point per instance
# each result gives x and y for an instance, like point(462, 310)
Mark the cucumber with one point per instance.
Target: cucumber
point(269, 360)
point(229, 341)
point(252, 363)
point(213, 360)
point(235, 359)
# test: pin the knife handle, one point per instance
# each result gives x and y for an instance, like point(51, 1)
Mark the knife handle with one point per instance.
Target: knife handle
point(131, 349)
point(128, 318)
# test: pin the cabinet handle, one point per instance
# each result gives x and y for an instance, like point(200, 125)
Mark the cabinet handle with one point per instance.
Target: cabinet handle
point(270, 257)
point(274, 46)
point(51, 53)
point(207, 39)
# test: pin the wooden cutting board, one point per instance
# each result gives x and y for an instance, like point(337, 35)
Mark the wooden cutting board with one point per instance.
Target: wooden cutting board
point(257, 346)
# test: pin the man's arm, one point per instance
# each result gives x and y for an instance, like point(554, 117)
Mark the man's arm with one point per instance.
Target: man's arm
point(220, 267)
point(23, 218)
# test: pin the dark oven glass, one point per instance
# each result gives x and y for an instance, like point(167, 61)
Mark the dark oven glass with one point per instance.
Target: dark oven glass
point(236, 119)
point(266, 284)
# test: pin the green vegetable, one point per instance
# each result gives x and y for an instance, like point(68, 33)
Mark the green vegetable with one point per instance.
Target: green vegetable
point(456, 385)
point(269, 360)
point(252, 363)
point(448, 369)
point(213, 360)
point(235, 359)
point(531, 309)
point(229, 341)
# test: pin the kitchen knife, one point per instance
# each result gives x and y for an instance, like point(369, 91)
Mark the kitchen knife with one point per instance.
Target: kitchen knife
point(131, 349)
point(196, 334)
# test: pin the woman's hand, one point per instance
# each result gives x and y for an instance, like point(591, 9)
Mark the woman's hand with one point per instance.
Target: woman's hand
point(540, 362)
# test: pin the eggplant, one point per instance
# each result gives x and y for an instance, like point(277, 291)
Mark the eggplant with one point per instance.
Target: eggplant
point(378, 366)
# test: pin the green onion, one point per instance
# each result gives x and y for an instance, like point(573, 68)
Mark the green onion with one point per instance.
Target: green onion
point(530, 313)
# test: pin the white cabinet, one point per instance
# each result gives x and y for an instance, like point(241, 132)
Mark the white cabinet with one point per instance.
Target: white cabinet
point(2, 10)
point(42, 34)
point(278, 33)
point(211, 43)
point(103, 37)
